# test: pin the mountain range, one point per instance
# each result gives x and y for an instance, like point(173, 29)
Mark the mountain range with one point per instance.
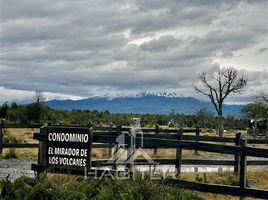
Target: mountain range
point(154, 103)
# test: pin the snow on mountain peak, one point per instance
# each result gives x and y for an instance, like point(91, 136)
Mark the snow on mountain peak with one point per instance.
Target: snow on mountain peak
point(134, 94)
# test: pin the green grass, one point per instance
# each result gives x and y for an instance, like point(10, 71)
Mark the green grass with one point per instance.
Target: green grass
point(74, 188)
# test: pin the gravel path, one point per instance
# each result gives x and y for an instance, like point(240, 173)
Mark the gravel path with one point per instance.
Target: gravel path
point(16, 168)
point(20, 167)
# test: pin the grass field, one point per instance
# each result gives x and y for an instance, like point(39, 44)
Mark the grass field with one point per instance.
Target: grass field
point(13, 135)
point(227, 178)
point(26, 136)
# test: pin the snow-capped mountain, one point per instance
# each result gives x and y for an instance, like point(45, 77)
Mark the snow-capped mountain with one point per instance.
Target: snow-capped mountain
point(146, 102)
point(136, 95)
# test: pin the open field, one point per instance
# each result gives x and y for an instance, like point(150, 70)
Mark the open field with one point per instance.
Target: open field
point(14, 135)
point(26, 136)
point(227, 178)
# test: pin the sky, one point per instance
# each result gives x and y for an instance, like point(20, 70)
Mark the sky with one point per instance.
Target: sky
point(77, 49)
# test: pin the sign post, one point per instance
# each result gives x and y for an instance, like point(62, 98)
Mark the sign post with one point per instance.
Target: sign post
point(66, 150)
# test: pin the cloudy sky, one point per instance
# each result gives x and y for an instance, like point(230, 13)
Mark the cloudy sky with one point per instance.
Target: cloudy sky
point(76, 49)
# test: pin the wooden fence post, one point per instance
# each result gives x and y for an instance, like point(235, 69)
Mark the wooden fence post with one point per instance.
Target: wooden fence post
point(243, 169)
point(115, 152)
point(111, 150)
point(1, 139)
point(237, 156)
point(89, 157)
point(115, 149)
point(131, 152)
point(179, 155)
point(197, 133)
point(157, 130)
point(42, 159)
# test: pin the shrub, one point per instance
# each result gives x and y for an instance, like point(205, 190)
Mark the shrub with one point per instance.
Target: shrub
point(64, 187)
point(74, 195)
point(11, 154)
point(41, 193)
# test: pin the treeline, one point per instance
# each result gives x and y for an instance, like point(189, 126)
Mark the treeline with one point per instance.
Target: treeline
point(40, 113)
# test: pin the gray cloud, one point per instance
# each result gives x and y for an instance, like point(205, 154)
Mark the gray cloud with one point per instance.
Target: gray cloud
point(162, 44)
point(85, 48)
point(262, 50)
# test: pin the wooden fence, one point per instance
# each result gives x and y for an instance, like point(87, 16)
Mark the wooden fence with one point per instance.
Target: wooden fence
point(179, 140)
point(10, 145)
point(106, 137)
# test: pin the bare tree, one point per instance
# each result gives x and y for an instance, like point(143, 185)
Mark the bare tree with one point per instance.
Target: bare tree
point(218, 85)
point(38, 97)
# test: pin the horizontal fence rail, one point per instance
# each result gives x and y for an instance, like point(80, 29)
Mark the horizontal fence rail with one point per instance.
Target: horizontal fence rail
point(20, 145)
point(218, 189)
point(107, 162)
point(108, 138)
point(21, 125)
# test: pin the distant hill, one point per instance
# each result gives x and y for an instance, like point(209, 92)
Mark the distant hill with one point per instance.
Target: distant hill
point(155, 103)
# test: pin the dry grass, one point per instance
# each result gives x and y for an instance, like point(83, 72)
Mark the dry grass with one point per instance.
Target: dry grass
point(23, 153)
point(24, 136)
point(261, 176)
point(186, 154)
point(227, 178)
point(100, 153)
point(209, 196)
